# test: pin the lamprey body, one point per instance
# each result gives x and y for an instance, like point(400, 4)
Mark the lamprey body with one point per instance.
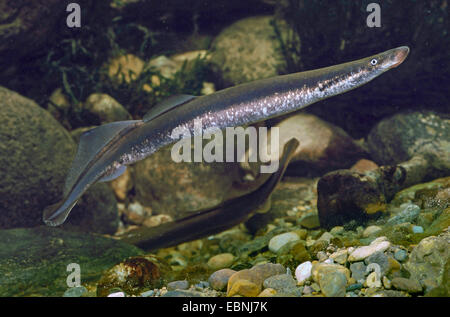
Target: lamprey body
point(104, 152)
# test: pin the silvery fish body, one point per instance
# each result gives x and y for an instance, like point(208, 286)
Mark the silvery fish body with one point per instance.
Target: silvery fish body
point(104, 152)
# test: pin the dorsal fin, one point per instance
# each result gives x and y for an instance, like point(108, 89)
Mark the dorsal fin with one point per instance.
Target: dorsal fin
point(91, 142)
point(166, 105)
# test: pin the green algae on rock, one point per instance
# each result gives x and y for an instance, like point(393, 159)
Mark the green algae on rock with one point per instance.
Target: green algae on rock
point(33, 261)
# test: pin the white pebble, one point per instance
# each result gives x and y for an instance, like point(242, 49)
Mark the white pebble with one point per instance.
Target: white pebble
point(277, 242)
point(117, 294)
point(303, 271)
point(378, 245)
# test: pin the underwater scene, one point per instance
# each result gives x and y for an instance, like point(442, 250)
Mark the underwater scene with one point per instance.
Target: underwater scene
point(224, 148)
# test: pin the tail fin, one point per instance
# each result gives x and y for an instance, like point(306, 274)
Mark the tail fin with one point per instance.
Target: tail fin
point(56, 214)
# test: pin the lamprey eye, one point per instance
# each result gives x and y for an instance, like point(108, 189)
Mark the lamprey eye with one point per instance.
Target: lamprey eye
point(373, 62)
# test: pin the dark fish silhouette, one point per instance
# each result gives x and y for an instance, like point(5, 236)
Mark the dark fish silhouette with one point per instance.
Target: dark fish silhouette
point(104, 152)
point(212, 220)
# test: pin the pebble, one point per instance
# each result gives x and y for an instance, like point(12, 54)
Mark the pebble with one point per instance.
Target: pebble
point(358, 270)
point(400, 255)
point(244, 288)
point(407, 285)
point(303, 272)
point(282, 283)
point(333, 284)
point(219, 279)
point(409, 212)
point(117, 294)
point(373, 280)
point(75, 291)
point(354, 287)
point(326, 236)
point(340, 256)
point(182, 293)
point(178, 285)
point(221, 261)
point(386, 283)
point(321, 256)
point(378, 245)
point(371, 231)
point(381, 260)
point(319, 270)
point(149, 293)
point(278, 241)
point(417, 229)
point(268, 292)
point(337, 230)
point(310, 221)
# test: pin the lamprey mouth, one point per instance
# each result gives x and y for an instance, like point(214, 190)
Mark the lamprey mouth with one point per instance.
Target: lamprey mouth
point(400, 55)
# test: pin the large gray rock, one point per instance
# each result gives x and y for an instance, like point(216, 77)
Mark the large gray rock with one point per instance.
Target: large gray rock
point(33, 261)
point(398, 138)
point(428, 262)
point(247, 50)
point(35, 155)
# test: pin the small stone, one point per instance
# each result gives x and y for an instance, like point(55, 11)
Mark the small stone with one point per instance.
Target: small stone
point(322, 256)
point(303, 272)
point(278, 241)
point(373, 280)
point(282, 283)
point(354, 287)
point(408, 213)
point(371, 231)
point(381, 260)
point(148, 293)
point(326, 236)
point(106, 108)
point(307, 290)
point(117, 294)
point(320, 270)
point(386, 283)
point(154, 221)
point(221, 261)
point(182, 293)
point(75, 291)
point(407, 285)
point(400, 255)
point(310, 221)
point(177, 285)
point(126, 67)
point(337, 230)
point(340, 256)
point(135, 213)
point(333, 284)
point(219, 279)
point(378, 245)
point(300, 253)
point(417, 229)
point(358, 270)
point(244, 288)
point(268, 292)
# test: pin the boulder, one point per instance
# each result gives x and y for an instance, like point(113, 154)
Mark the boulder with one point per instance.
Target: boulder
point(247, 50)
point(35, 155)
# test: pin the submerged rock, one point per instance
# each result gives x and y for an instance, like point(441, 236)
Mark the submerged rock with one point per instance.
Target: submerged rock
point(35, 156)
point(247, 50)
point(400, 137)
point(105, 108)
point(34, 261)
point(428, 260)
point(134, 274)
